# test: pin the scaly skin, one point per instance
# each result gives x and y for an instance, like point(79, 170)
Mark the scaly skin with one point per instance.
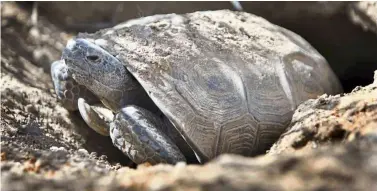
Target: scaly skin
point(91, 72)
point(67, 89)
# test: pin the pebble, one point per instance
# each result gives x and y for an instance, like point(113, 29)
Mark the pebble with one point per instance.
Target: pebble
point(55, 149)
point(83, 152)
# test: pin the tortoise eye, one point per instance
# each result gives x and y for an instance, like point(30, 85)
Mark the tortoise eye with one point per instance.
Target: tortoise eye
point(93, 58)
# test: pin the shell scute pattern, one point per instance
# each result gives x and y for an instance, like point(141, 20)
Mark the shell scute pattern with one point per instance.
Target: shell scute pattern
point(230, 95)
point(238, 135)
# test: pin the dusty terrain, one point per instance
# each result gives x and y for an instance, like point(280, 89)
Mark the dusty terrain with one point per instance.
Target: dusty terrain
point(330, 145)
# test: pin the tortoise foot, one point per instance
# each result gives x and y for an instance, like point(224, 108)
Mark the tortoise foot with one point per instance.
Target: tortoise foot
point(137, 133)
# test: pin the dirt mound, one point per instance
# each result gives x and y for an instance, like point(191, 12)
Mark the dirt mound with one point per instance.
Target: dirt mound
point(331, 144)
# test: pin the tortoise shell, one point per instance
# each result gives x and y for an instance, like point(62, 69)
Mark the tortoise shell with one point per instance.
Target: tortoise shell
point(228, 81)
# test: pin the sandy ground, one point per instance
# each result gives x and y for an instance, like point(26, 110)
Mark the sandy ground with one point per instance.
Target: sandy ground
point(331, 144)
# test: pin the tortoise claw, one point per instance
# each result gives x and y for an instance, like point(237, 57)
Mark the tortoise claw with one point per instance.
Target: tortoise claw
point(67, 89)
point(63, 85)
point(98, 118)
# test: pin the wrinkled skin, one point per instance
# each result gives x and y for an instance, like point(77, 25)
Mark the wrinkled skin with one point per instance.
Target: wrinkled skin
point(138, 128)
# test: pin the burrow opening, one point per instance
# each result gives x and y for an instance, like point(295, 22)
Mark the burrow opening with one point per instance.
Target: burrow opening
point(350, 51)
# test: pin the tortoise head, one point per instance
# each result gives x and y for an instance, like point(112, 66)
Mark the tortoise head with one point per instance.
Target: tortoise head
point(98, 70)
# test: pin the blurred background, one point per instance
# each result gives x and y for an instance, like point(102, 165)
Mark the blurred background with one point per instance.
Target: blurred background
point(345, 33)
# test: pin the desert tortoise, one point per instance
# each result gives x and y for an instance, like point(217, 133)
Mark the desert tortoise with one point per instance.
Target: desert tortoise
point(211, 82)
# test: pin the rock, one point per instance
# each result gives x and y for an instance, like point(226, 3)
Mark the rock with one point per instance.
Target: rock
point(336, 168)
point(364, 13)
point(344, 167)
point(331, 119)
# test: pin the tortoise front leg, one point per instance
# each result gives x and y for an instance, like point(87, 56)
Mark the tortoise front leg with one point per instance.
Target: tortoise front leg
point(96, 116)
point(137, 133)
point(75, 97)
point(68, 90)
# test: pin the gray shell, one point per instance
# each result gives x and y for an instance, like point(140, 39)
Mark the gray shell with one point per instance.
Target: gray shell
point(228, 81)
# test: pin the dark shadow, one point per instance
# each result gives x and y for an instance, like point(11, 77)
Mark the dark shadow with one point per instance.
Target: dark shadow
point(350, 50)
